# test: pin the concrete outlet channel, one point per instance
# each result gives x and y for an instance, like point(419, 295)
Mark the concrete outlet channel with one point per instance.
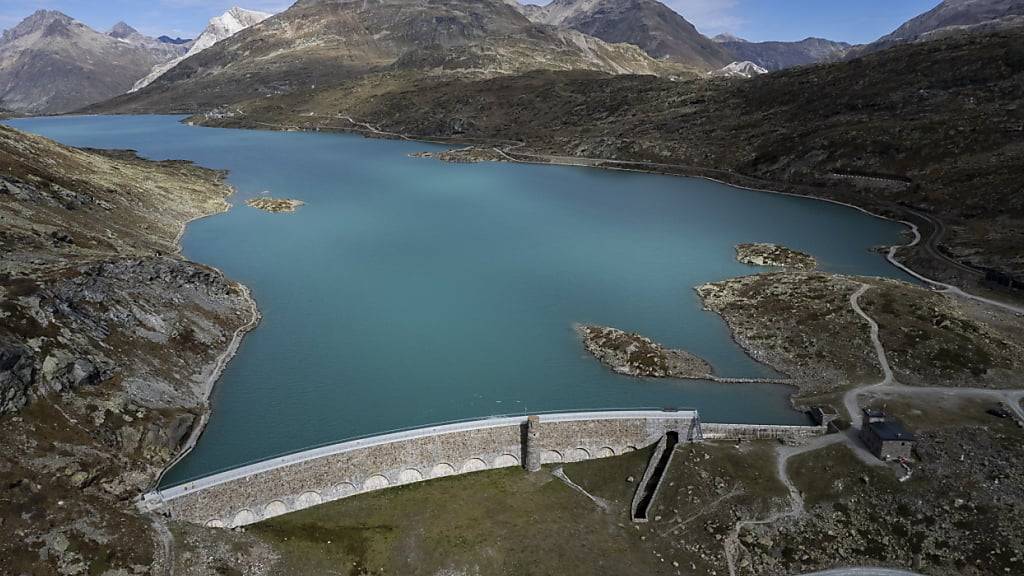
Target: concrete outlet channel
point(647, 491)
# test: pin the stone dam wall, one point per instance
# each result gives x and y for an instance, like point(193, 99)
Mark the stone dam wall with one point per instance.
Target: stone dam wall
point(290, 483)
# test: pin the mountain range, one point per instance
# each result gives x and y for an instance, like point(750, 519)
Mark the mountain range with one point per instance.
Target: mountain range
point(781, 55)
point(317, 44)
point(51, 63)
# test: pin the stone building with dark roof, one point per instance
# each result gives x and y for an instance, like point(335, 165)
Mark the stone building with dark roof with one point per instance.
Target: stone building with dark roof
point(886, 438)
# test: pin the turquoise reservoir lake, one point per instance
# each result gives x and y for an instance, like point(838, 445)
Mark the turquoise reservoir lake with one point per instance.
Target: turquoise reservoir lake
point(409, 292)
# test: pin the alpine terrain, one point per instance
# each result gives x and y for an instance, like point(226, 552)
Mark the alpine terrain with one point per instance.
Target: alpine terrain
point(952, 17)
point(906, 154)
point(659, 30)
point(52, 63)
point(220, 28)
point(317, 44)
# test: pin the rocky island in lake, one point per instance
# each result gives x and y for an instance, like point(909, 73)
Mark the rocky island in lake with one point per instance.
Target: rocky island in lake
point(775, 256)
point(275, 205)
point(636, 355)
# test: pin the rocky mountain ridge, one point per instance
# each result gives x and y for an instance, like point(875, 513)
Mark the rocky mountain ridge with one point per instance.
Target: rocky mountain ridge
point(658, 30)
point(774, 56)
point(318, 43)
point(956, 13)
point(178, 40)
point(52, 63)
point(948, 18)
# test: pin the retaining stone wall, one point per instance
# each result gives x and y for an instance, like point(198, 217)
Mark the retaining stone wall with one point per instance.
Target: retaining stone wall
point(760, 432)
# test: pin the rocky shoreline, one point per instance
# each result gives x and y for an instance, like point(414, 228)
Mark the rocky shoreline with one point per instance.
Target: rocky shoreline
point(109, 346)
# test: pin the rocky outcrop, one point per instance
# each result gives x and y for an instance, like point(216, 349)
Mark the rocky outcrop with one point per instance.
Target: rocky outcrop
point(799, 324)
point(635, 355)
point(468, 155)
point(17, 373)
point(802, 324)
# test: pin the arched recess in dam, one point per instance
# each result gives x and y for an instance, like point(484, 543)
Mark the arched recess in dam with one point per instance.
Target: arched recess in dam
point(506, 461)
point(441, 470)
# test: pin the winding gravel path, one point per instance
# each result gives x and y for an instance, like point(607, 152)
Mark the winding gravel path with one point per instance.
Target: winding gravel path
point(850, 399)
point(941, 286)
point(935, 239)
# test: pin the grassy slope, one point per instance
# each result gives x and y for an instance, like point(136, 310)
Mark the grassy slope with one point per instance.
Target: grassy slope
point(512, 522)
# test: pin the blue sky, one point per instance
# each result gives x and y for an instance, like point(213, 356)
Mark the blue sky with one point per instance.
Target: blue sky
point(756, 20)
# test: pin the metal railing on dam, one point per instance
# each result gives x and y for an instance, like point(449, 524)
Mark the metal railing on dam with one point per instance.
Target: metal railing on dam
point(297, 481)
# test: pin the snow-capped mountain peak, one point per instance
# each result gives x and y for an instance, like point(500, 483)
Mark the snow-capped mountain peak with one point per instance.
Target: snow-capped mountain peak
point(219, 28)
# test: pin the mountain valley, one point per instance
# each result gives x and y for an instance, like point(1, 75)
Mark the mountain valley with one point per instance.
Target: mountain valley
point(111, 339)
